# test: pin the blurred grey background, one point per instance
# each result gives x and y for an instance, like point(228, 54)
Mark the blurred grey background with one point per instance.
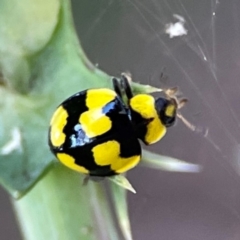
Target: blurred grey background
point(130, 35)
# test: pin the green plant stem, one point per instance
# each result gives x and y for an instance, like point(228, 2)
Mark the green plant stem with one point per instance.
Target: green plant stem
point(102, 214)
point(57, 208)
point(119, 195)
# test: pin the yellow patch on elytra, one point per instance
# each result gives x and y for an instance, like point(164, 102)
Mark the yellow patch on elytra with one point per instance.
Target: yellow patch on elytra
point(170, 110)
point(97, 98)
point(69, 161)
point(145, 105)
point(108, 153)
point(124, 164)
point(58, 122)
point(94, 122)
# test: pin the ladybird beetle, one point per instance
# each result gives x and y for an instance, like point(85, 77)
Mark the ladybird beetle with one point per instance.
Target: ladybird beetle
point(94, 132)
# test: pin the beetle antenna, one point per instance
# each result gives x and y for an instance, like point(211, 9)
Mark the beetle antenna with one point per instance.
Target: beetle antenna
point(186, 122)
point(192, 127)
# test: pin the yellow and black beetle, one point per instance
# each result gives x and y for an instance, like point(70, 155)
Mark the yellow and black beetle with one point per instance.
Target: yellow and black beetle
point(95, 133)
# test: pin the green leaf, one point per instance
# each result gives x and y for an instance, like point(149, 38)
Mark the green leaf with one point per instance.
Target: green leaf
point(49, 68)
point(166, 163)
point(26, 27)
point(140, 88)
point(122, 181)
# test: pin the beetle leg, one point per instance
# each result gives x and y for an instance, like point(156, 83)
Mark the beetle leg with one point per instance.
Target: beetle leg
point(126, 86)
point(117, 87)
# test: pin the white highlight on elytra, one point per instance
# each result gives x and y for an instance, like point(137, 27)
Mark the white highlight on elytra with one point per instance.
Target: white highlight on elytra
point(176, 29)
point(13, 144)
